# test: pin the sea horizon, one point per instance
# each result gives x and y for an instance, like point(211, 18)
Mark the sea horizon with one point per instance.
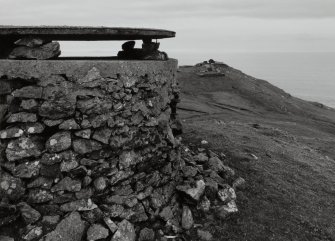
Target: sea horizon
point(306, 75)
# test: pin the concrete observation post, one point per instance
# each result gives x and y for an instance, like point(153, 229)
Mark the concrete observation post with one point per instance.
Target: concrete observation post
point(82, 133)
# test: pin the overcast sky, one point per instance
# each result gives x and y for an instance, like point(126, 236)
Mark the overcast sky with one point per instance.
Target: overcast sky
point(211, 27)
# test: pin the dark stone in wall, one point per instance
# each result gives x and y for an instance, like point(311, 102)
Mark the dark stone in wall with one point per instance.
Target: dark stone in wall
point(57, 108)
point(149, 51)
point(31, 42)
point(45, 51)
point(6, 46)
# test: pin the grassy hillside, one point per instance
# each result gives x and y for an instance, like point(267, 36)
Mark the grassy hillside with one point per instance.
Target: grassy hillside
point(283, 146)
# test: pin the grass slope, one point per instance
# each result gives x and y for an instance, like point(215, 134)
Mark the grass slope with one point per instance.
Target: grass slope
point(291, 184)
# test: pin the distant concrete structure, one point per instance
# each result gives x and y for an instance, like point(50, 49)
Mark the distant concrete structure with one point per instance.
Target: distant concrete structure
point(211, 68)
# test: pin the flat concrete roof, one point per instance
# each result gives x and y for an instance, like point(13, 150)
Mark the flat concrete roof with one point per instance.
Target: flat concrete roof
point(80, 33)
point(76, 69)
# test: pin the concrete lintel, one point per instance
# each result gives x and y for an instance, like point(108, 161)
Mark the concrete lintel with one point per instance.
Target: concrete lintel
point(81, 33)
point(30, 69)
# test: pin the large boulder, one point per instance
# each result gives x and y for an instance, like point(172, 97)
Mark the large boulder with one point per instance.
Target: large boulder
point(29, 214)
point(22, 117)
point(187, 218)
point(46, 51)
point(125, 232)
point(12, 132)
point(58, 108)
point(59, 142)
point(22, 148)
point(67, 184)
point(193, 192)
point(33, 92)
point(79, 205)
point(31, 42)
point(70, 228)
point(83, 146)
point(11, 187)
point(97, 232)
point(8, 214)
point(5, 238)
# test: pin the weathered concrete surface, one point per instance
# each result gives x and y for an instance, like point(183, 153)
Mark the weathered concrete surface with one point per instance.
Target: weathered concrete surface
point(76, 69)
point(83, 33)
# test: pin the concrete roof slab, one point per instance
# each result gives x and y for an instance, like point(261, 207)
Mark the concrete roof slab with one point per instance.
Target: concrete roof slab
point(81, 33)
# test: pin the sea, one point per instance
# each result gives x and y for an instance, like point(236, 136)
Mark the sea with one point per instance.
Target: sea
point(306, 75)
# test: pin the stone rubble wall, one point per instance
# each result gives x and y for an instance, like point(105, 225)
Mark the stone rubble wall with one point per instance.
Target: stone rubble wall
point(74, 134)
point(89, 151)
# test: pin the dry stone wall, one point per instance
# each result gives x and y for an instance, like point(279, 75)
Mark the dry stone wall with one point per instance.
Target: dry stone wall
point(80, 134)
point(89, 151)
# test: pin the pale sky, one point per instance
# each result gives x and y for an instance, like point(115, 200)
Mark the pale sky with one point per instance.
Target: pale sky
point(203, 27)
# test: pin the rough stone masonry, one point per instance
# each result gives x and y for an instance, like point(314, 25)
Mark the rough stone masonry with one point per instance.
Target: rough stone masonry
point(88, 152)
point(74, 132)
